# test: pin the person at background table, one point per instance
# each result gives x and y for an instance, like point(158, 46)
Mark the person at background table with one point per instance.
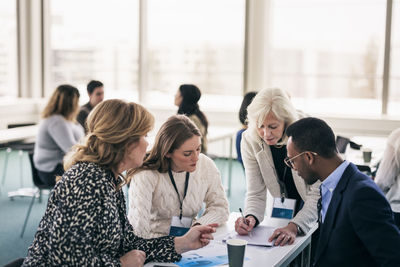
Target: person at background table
point(85, 223)
point(248, 97)
point(388, 174)
point(95, 90)
point(356, 222)
point(58, 132)
point(187, 99)
point(158, 187)
point(263, 152)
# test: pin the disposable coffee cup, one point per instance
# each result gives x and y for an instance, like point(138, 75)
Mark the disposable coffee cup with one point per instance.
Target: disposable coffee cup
point(236, 249)
point(367, 155)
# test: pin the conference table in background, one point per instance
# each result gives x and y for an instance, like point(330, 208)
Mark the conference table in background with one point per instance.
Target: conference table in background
point(265, 256)
point(19, 134)
point(376, 144)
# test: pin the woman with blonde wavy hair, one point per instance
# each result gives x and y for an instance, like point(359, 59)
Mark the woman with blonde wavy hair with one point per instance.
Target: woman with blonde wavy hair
point(263, 148)
point(58, 132)
point(85, 223)
point(174, 182)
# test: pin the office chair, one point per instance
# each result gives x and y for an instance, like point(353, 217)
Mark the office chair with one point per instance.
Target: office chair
point(40, 186)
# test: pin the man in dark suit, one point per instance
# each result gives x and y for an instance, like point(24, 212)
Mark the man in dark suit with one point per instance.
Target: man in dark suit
point(356, 222)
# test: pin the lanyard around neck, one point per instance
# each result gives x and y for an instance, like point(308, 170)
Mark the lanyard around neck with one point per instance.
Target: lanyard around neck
point(282, 185)
point(176, 189)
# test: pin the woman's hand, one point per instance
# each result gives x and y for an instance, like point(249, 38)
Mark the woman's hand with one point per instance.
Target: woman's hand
point(285, 235)
point(244, 227)
point(197, 237)
point(134, 258)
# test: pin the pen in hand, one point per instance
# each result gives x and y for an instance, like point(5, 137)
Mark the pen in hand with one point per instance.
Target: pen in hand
point(244, 219)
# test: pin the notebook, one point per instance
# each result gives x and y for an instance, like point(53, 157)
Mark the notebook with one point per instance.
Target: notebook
point(258, 237)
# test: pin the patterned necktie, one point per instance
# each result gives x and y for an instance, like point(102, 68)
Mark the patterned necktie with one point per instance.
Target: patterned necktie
point(319, 206)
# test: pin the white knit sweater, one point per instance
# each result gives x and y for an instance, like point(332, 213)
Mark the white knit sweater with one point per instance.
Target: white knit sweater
point(153, 200)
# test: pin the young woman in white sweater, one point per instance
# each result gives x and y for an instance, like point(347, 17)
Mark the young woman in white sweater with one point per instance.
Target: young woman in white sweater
point(157, 198)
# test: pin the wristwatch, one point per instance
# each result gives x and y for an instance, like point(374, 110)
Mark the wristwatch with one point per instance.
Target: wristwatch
point(299, 231)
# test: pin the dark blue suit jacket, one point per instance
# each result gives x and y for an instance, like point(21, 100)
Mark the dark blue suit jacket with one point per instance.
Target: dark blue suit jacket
point(359, 228)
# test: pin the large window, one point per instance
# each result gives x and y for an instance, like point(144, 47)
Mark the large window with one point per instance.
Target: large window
point(328, 54)
point(95, 39)
point(8, 49)
point(195, 41)
point(394, 78)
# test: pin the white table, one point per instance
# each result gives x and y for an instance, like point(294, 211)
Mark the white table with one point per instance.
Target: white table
point(26, 134)
point(265, 256)
point(18, 134)
point(375, 143)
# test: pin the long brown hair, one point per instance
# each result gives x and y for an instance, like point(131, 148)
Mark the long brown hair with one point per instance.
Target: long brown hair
point(172, 134)
point(64, 101)
point(113, 125)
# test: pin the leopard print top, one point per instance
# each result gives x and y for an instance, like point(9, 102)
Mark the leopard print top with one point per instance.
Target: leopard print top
point(85, 224)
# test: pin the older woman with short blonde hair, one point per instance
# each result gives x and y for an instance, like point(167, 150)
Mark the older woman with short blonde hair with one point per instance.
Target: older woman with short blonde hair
point(263, 153)
point(85, 223)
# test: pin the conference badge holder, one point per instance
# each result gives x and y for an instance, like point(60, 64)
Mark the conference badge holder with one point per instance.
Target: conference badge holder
point(179, 227)
point(283, 208)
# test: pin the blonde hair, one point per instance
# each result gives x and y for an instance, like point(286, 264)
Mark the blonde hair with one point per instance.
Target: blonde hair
point(278, 102)
point(64, 101)
point(113, 125)
point(172, 134)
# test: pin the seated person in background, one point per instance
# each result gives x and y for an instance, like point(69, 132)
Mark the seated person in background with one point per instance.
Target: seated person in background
point(388, 174)
point(57, 133)
point(187, 99)
point(263, 152)
point(95, 90)
point(85, 223)
point(248, 97)
point(173, 183)
point(356, 223)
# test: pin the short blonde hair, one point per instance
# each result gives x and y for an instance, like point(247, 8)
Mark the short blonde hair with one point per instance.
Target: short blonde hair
point(275, 100)
point(113, 125)
point(172, 134)
point(64, 101)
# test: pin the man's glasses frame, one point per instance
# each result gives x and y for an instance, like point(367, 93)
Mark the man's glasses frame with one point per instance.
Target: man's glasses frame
point(289, 161)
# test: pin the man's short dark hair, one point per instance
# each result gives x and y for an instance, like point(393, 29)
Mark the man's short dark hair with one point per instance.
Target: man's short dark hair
point(312, 134)
point(92, 85)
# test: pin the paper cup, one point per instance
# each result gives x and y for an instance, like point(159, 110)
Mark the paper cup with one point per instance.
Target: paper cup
point(236, 250)
point(367, 155)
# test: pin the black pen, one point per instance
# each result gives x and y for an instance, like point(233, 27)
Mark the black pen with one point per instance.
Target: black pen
point(244, 219)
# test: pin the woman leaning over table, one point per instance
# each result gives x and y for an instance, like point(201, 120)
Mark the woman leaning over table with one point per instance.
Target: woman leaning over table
point(263, 152)
point(85, 222)
point(174, 182)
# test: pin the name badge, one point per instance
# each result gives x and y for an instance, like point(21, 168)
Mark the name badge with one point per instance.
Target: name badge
point(283, 209)
point(180, 227)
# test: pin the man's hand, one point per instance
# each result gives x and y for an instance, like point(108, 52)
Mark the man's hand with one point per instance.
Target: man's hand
point(284, 236)
point(133, 258)
point(197, 237)
point(244, 227)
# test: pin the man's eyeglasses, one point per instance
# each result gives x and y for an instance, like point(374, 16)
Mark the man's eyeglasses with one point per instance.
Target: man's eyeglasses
point(289, 161)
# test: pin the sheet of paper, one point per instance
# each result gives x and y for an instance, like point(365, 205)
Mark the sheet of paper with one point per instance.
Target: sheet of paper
point(258, 237)
point(213, 254)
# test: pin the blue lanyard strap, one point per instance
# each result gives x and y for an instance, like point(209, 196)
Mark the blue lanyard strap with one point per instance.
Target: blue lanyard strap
point(176, 189)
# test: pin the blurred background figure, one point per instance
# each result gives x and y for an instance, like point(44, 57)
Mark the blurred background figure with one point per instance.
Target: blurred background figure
point(187, 99)
point(248, 97)
point(95, 90)
point(388, 174)
point(57, 133)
